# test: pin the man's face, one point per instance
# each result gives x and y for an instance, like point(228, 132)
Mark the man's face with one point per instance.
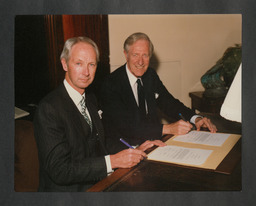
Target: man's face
point(81, 67)
point(138, 57)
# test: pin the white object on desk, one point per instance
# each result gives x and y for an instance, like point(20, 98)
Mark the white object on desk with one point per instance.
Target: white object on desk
point(206, 138)
point(20, 113)
point(180, 155)
point(231, 107)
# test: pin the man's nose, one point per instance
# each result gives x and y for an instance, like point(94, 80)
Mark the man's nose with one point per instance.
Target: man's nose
point(141, 60)
point(86, 71)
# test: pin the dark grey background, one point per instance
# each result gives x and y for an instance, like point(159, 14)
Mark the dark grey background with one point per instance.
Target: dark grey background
point(10, 8)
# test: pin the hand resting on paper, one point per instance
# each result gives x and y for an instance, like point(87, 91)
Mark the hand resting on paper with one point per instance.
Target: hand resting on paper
point(205, 123)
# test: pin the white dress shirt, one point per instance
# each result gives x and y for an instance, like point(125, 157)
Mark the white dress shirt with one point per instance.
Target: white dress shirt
point(77, 97)
point(134, 86)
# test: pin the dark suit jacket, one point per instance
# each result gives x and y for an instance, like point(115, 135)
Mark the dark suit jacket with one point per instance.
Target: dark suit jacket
point(121, 117)
point(68, 160)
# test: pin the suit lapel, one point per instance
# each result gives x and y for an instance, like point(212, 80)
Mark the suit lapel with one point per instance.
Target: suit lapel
point(149, 95)
point(93, 110)
point(74, 113)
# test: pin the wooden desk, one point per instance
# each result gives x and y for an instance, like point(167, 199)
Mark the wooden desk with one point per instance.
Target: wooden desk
point(157, 176)
point(203, 104)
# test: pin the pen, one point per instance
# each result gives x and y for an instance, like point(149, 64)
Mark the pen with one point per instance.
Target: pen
point(126, 143)
point(182, 117)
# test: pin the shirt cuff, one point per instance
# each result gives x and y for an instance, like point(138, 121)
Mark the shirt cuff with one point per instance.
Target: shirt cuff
point(193, 118)
point(108, 164)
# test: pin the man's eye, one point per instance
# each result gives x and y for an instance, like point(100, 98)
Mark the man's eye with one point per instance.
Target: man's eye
point(78, 63)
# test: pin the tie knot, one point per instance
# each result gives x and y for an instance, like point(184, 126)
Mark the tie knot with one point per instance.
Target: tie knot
point(139, 82)
point(82, 102)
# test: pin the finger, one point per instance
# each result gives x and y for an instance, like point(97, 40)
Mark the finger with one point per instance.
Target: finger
point(159, 143)
point(187, 128)
point(146, 143)
point(183, 130)
point(185, 123)
point(137, 158)
point(144, 146)
point(208, 124)
point(149, 144)
point(138, 152)
point(213, 128)
point(198, 127)
point(202, 122)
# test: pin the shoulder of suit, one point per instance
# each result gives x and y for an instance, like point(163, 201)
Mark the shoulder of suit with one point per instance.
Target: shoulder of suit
point(150, 73)
point(118, 71)
point(55, 96)
point(116, 75)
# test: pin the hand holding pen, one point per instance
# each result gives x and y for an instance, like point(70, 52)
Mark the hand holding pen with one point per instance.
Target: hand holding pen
point(130, 157)
point(183, 118)
point(127, 158)
point(180, 127)
point(203, 123)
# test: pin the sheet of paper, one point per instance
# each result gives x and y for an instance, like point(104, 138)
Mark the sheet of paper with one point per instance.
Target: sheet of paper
point(20, 113)
point(207, 138)
point(181, 155)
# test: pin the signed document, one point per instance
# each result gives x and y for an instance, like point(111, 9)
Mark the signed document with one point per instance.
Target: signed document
point(206, 138)
point(180, 155)
point(197, 149)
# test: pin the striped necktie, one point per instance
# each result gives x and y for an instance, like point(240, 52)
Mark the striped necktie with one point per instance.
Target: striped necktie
point(83, 111)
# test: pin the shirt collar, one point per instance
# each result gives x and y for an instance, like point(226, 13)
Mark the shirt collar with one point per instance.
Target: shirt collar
point(74, 95)
point(131, 77)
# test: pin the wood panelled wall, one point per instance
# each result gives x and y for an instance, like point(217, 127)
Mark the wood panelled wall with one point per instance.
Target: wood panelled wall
point(41, 38)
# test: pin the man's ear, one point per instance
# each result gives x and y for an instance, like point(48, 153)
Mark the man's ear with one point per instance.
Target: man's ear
point(126, 55)
point(64, 64)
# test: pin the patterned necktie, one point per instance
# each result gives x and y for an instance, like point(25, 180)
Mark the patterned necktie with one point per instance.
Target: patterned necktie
point(83, 111)
point(141, 98)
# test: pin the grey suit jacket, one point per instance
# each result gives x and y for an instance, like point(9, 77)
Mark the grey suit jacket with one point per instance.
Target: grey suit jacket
point(67, 163)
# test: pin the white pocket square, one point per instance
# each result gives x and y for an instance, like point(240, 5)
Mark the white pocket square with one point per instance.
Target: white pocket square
point(100, 114)
point(156, 95)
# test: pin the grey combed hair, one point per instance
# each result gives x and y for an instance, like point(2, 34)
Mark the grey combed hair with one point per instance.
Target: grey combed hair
point(65, 54)
point(135, 37)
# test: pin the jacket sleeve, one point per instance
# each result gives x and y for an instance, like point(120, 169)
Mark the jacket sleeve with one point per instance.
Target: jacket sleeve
point(167, 103)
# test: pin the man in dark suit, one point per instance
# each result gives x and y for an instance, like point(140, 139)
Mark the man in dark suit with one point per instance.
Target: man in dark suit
point(132, 95)
point(68, 129)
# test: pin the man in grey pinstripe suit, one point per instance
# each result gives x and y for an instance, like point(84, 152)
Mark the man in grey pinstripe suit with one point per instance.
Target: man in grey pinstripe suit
point(72, 154)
